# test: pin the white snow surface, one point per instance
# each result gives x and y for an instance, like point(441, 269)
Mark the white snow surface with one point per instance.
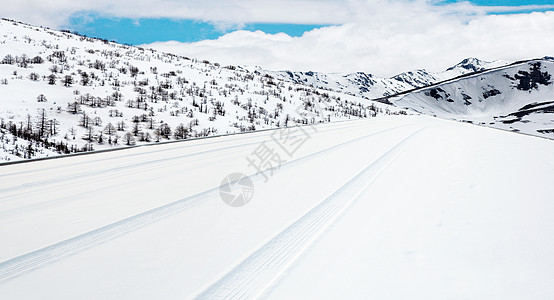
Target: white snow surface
point(395, 207)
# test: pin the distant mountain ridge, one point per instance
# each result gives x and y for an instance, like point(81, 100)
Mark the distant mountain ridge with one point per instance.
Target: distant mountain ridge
point(515, 96)
point(370, 86)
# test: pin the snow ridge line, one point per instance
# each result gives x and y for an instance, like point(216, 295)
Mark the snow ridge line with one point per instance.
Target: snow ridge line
point(39, 258)
point(139, 164)
point(256, 273)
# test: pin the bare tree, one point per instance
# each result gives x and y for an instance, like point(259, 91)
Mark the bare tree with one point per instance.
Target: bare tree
point(42, 122)
point(72, 131)
point(37, 60)
point(53, 130)
point(89, 135)
point(74, 107)
point(34, 76)
point(110, 129)
point(8, 59)
point(85, 120)
point(181, 132)
point(51, 79)
point(129, 139)
point(67, 80)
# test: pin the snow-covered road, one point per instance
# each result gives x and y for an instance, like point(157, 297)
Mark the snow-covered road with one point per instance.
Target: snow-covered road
point(385, 208)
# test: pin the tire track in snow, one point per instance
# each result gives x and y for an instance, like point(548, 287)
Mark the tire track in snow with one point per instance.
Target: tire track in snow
point(253, 275)
point(39, 258)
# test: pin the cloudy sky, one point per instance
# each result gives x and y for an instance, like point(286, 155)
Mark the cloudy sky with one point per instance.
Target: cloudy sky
point(383, 37)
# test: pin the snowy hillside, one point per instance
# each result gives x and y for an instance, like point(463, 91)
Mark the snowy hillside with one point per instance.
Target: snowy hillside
point(62, 93)
point(517, 97)
point(399, 207)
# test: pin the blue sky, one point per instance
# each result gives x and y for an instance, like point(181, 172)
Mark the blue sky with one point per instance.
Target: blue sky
point(149, 30)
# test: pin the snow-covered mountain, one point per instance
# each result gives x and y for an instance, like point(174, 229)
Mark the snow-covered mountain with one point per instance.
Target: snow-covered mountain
point(471, 65)
point(371, 87)
point(518, 97)
point(65, 93)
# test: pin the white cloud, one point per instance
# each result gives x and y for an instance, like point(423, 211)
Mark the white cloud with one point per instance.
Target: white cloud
point(386, 38)
point(55, 13)
point(379, 36)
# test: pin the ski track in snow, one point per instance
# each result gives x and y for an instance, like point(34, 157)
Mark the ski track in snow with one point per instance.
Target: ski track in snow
point(182, 144)
point(17, 266)
point(82, 177)
point(141, 164)
point(253, 275)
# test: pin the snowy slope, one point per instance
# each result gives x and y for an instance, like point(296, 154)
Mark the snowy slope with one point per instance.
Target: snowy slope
point(396, 207)
point(518, 97)
point(63, 93)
